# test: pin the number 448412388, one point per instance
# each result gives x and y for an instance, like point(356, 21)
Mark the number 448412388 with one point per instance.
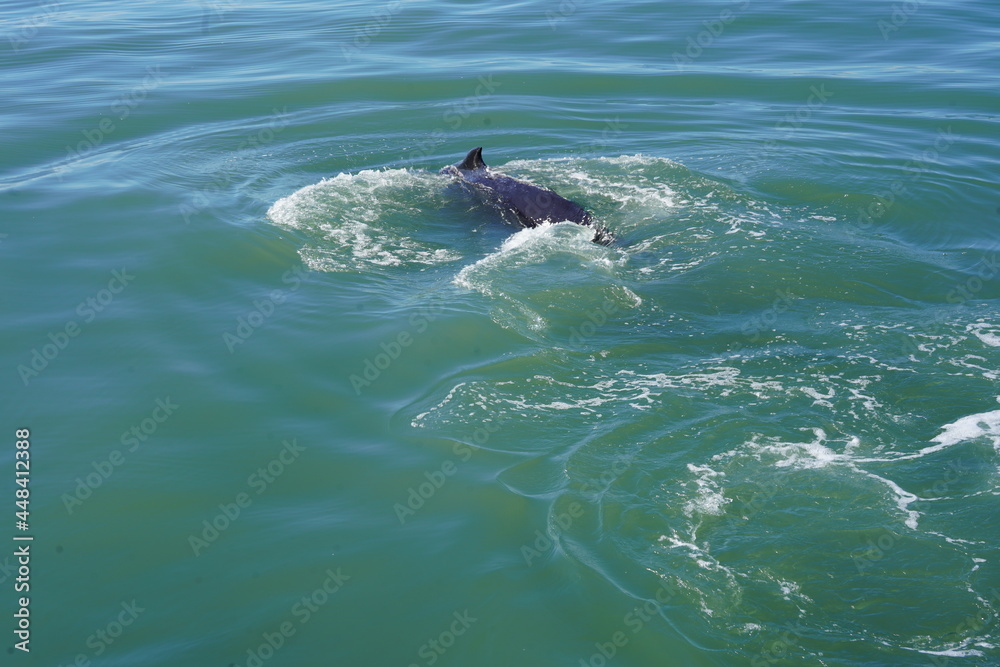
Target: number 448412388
point(22, 474)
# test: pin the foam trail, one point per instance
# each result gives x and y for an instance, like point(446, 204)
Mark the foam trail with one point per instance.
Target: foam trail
point(363, 221)
point(968, 428)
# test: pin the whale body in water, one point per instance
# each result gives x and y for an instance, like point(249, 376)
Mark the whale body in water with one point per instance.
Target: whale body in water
point(532, 204)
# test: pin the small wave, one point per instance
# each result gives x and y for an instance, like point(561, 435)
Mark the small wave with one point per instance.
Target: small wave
point(363, 221)
point(468, 402)
point(531, 246)
point(817, 454)
point(374, 220)
point(642, 186)
point(753, 490)
point(708, 498)
point(551, 266)
point(983, 424)
point(989, 334)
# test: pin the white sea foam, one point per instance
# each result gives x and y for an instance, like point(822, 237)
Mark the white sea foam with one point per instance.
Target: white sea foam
point(528, 273)
point(983, 424)
point(818, 398)
point(349, 218)
point(527, 246)
point(629, 188)
point(644, 391)
point(712, 584)
point(818, 454)
point(949, 653)
point(709, 497)
point(969, 362)
point(989, 334)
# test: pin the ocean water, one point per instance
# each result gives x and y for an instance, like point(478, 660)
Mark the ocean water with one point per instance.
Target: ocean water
point(294, 398)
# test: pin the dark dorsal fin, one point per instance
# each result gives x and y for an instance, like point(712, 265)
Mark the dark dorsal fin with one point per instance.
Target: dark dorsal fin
point(474, 160)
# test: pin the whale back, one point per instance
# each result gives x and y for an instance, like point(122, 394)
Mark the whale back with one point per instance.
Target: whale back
point(532, 204)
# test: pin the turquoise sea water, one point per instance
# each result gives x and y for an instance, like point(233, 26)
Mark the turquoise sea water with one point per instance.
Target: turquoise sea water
point(296, 399)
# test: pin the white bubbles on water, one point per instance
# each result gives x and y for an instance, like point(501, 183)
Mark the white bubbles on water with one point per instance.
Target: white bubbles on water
point(988, 333)
point(708, 497)
point(534, 246)
point(377, 220)
point(981, 425)
point(364, 221)
point(552, 271)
